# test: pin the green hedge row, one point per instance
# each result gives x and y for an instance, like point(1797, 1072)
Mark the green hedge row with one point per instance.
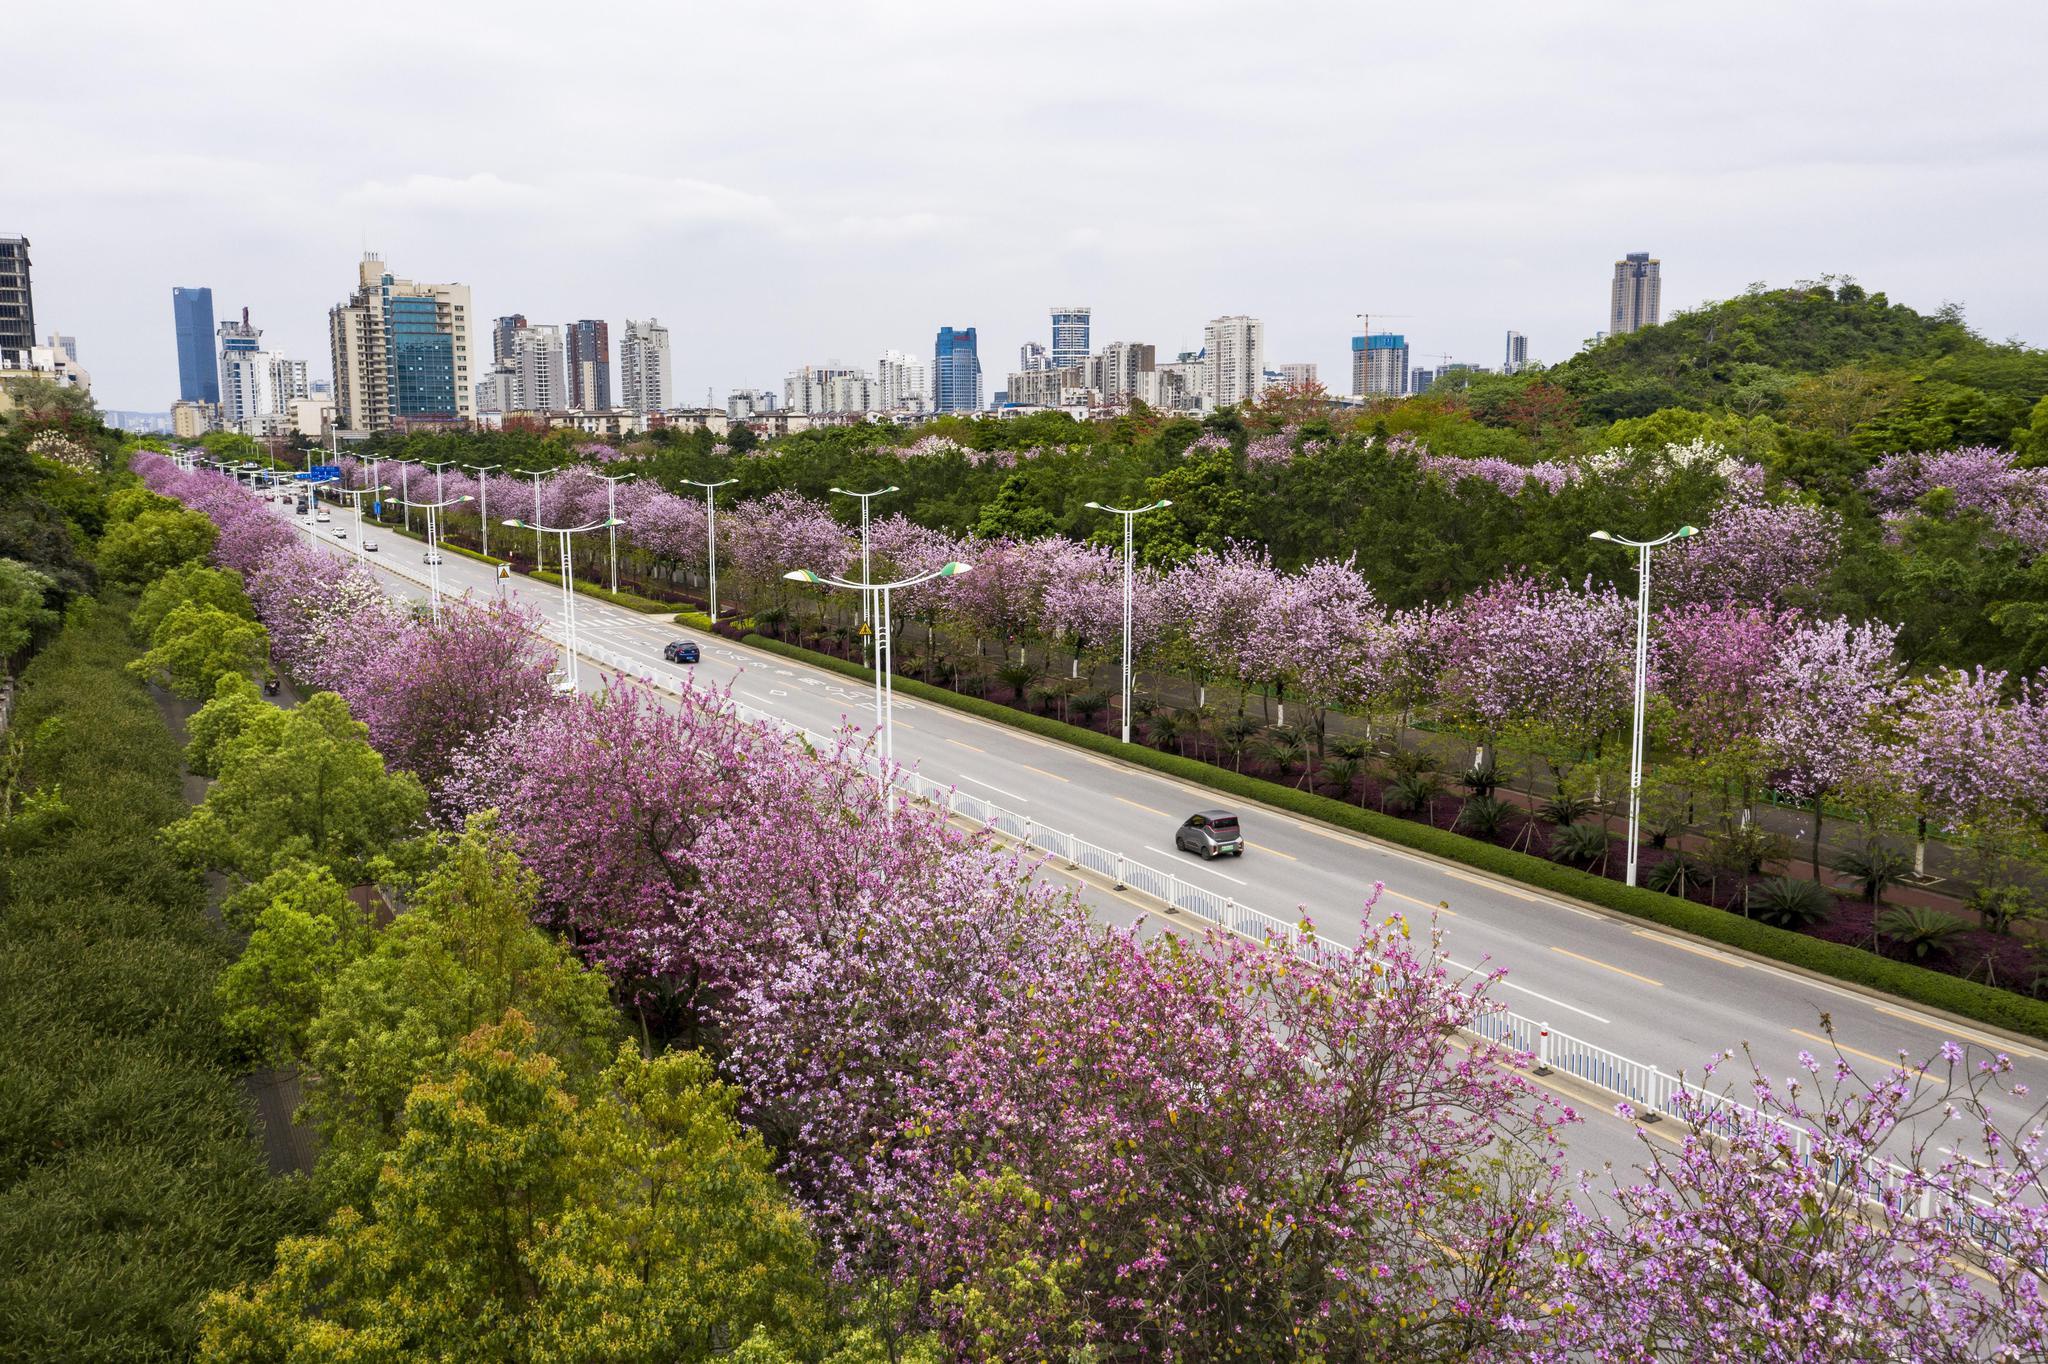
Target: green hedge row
point(130, 1181)
point(1986, 1004)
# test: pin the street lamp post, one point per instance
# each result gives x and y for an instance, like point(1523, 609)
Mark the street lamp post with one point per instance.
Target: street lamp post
point(440, 479)
point(866, 576)
point(1129, 514)
point(611, 513)
point(1635, 754)
point(539, 557)
point(358, 494)
point(711, 536)
point(569, 675)
point(483, 507)
point(433, 511)
point(405, 491)
point(885, 688)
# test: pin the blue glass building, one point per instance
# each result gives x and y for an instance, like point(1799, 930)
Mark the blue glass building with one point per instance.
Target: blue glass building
point(198, 377)
point(956, 371)
point(422, 358)
point(1069, 336)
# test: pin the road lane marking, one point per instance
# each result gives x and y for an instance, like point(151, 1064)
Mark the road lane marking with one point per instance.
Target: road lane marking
point(1966, 1034)
point(1043, 773)
point(1146, 808)
point(997, 789)
point(1591, 961)
point(1201, 866)
point(1533, 994)
point(1433, 906)
point(958, 744)
point(1272, 852)
point(1889, 1062)
point(1693, 948)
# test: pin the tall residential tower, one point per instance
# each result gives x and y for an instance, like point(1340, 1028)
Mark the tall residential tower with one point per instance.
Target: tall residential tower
point(17, 303)
point(645, 382)
point(1637, 296)
point(1236, 359)
point(590, 366)
point(956, 371)
point(1069, 336)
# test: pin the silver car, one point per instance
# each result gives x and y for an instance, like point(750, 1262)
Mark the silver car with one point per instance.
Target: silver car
point(1212, 833)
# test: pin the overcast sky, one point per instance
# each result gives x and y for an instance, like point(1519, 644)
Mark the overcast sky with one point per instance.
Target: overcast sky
point(793, 183)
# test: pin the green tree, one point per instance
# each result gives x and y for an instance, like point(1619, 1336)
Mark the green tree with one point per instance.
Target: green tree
point(306, 931)
point(25, 614)
point(195, 646)
point(519, 1221)
point(196, 584)
point(136, 552)
point(463, 953)
point(1014, 512)
point(234, 707)
point(299, 785)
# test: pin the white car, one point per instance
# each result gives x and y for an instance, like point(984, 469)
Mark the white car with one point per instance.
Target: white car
point(323, 516)
point(369, 545)
point(341, 532)
point(432, 556)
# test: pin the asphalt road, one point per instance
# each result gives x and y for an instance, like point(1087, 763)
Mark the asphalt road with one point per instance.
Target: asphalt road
point(1653, 996)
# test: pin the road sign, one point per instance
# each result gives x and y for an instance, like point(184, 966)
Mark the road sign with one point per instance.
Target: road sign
point(319, 473)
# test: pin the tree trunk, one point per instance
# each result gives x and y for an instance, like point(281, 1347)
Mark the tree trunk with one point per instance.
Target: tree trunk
point(1817, 818)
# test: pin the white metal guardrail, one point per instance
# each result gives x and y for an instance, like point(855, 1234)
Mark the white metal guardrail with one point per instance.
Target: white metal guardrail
point(1534, 1043)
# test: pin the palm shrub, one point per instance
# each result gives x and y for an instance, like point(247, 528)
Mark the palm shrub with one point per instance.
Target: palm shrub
point(1484, 816)
point(1414, 791)
point(1874, 867)
point(1674, 875)
point(1565, 808)
point(1016, 676)
point(1090, 704)
point(1920, 932)
point(1482, 778)
point(1578, 845)
point(1284, 747)
point(1788, 902)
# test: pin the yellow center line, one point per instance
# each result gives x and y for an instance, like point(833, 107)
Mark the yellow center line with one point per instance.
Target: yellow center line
point(1433, 906)
point(1146, 808)
point(1979, 1038)
point(1886, 1061)
point(957, 744)
point(1693, 948)
point(1043, 773)
point(901, 724)
point(1273, 852)
point(1605, 967)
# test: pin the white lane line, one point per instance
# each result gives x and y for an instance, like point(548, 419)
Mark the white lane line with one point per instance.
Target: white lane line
point(1022, 800)
point(1509, 982)
point(1199, 866)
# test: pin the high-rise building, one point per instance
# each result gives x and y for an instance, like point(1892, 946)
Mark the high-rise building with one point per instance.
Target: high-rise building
point(1069, 336)
point(1419, 380)
point(1120, 369)
point(1379, 365)
point(537, 369)
point(1236, 349)
point(502, 332)
point(244, 377)
point(1032, 357)
point(1638, 294)
point(1299, 375)
point(956, 371)
point(498, 391)
point(645, 382)
point(401, 352)
point(590, 366)
point(198, 376)
point(1518, 353)
point(17, 303)
point(903, 383)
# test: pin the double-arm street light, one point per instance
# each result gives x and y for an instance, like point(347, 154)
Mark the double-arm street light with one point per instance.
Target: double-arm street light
point(1129, 514)
point(885, 688)
point(711, 536)
point(536, 475)
point(483, 505)
point(358, 494)
point(433, 511)
point(865, 574)
point(1635, 755)
point(611, 512)
point(569, 675)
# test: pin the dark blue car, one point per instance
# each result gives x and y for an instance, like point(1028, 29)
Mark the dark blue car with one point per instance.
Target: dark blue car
point(680, 651)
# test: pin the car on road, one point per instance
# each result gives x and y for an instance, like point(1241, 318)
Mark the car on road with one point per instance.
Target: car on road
point(322, 516)
point(681, 651)
point(369, 545)
point(341, 532)
point(1210, 833)
point(299, 507)
point(432, 556)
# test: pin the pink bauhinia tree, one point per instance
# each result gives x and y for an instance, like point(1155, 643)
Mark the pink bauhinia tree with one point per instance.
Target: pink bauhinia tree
point(1833, 684)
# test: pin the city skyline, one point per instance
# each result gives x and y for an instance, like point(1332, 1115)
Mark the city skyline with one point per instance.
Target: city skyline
point(764, 250)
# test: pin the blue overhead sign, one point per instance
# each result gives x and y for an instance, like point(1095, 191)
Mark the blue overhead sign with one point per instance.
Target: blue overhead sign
point(320, 473)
